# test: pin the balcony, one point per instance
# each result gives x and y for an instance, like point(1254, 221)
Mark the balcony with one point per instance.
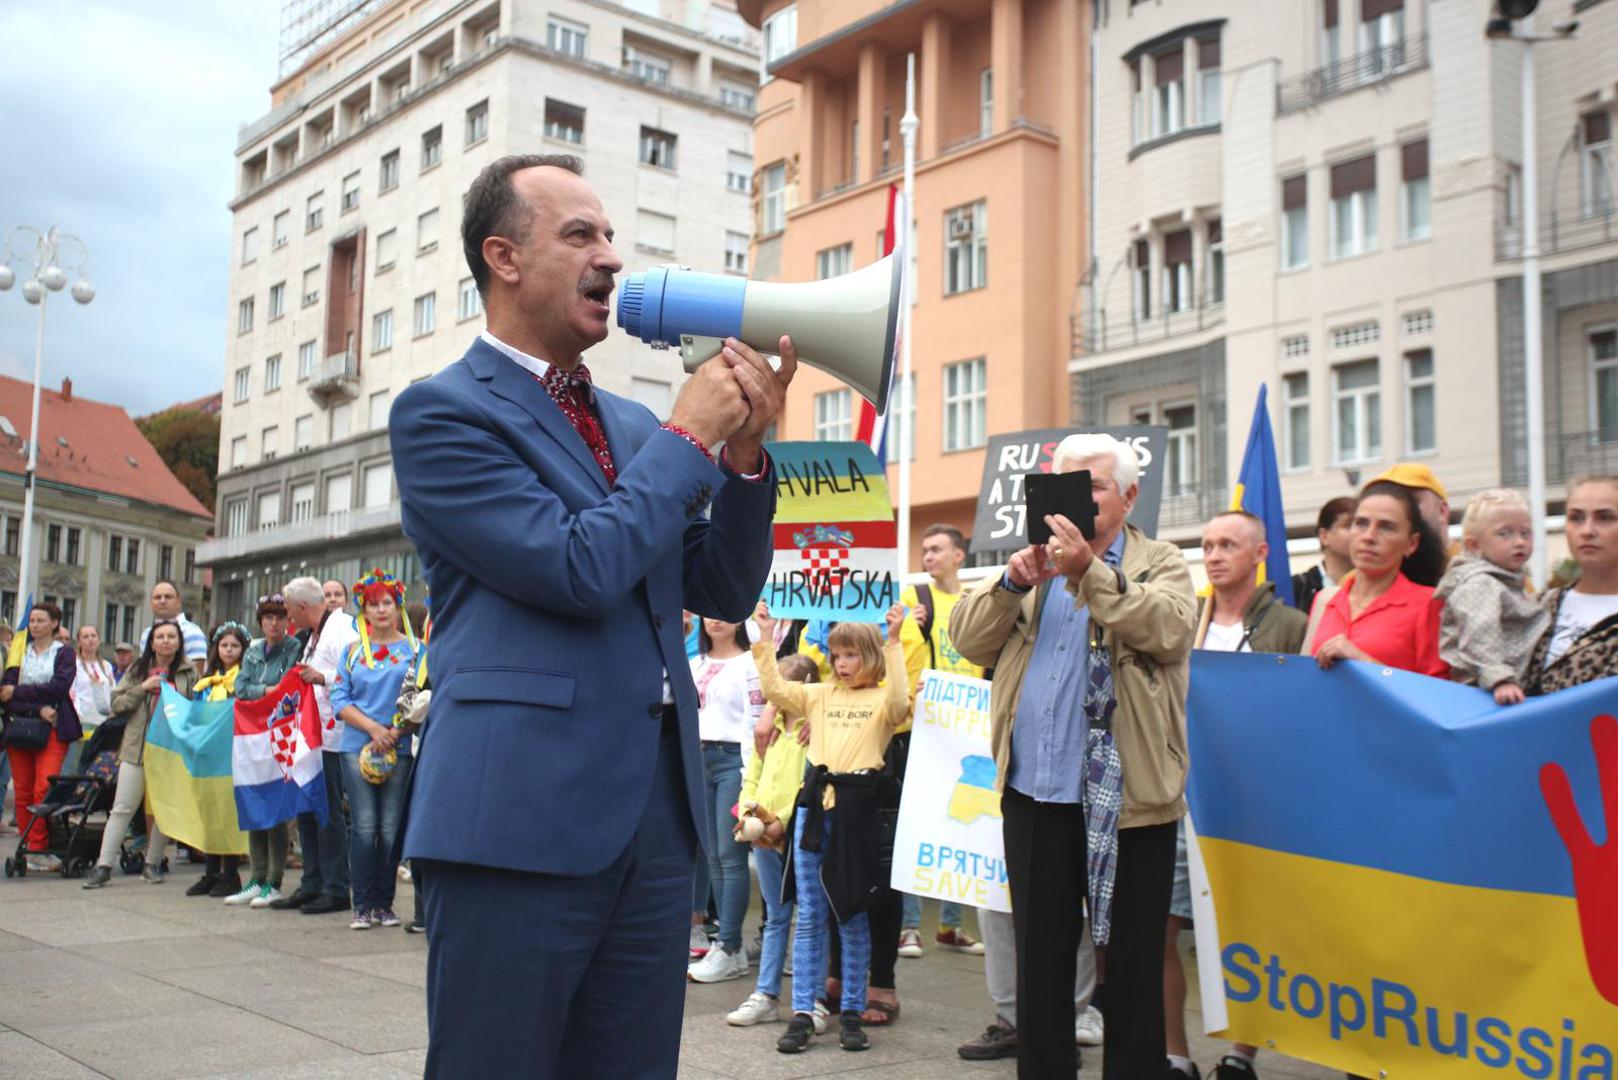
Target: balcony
point(304, 536)
point(336, 379)
point(1095, 334)
point(1582, 453)
point(1560, 231)
point(1350, 73)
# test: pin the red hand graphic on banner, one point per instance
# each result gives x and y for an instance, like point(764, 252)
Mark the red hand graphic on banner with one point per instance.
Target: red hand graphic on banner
point(1595, 866)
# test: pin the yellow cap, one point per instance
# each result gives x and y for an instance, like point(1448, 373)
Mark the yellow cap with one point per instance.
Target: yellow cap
point(1414, 476)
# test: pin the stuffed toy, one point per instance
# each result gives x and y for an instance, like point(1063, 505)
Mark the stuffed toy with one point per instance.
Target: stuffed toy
point(751, 826)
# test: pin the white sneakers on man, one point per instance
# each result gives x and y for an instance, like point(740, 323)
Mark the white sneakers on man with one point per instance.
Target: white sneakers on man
point(719, 966)
point(757, 1009)
point(1089, 1029)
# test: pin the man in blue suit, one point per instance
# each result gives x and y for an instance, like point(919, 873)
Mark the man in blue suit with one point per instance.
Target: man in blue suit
point(556, 804)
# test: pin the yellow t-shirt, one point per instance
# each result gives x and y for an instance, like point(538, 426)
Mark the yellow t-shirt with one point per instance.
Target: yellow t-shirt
point(917, 656)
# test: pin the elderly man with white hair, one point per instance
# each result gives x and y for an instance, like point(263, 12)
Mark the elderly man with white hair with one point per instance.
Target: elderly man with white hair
point(1088, 730)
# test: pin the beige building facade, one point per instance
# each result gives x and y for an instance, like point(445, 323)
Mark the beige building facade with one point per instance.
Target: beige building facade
point(348, 281)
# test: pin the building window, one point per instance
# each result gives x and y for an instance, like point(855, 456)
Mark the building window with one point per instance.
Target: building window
point(736, 252)
point(1595, 156)
point(966, 248)
point(244, 316)
point(1421, 403)
point(738, 171)
point(378, 409)
point(1513, 195)
point(901, 405)
point(269, 510)
point(342, 421)
point(53, 543)
point(278, 229)
point(339, 493)
point(1208, 88)
point(1168, 102)
point(773, 207)
point(432, 147)
point(1353, 207)
point(477, 123)
point(1357, 412)
point(425, 317)
point(382, 331)
point(834, 261)
point(109, 628)
point(303, 433)
point(647, 67)
point(314, 212)
point(74, 536)
point(1415, 199)
point(654, 232)
point(1604, 374)
point(966, 404)
point(780, 35)
point(834, 418)
point(377, 481)
point(1294, 222)
point(278, 300)
point(115, 549)
point(736, 96)
point(311, 286)
point(1180, 467)
point(1382, 31)
point(387, 250)
point(426, 231)
point(13, 533)
point(565, 37)
point(250, 246)
point(1295, 345)
point(190, 566)
point(129, 623)
point(272, 373)
point(267, 442)
point(657, 148)
point(306, 360)
point(564, 122)
point(985, 102)
point(388, 172)
point(70, 614)
point(1295, 419)
point(1350, 335)
point(303, 502)
point(1331, 49)
point(1140, 128)
point(1142, 275)
point(1418, 322)
point(469, 302)
point(1177, 291)
point(238, 452)
point(1216, 261)
point(243, 384)
point(351, 192)
point(132, 556)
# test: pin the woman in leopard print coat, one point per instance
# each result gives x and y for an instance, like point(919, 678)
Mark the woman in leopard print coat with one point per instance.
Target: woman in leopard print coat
point(1581, 644)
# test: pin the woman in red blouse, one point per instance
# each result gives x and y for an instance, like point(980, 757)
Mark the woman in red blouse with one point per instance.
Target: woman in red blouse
point(1385, 612)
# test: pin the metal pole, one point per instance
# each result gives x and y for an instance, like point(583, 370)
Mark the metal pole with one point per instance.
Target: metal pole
point(25, 541)
point(1532, 317)
point(907, 129)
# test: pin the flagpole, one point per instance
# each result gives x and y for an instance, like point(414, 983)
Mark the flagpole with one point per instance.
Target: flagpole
point(907, 129)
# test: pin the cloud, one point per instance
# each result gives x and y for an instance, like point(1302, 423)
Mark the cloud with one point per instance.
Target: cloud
point(121, 125)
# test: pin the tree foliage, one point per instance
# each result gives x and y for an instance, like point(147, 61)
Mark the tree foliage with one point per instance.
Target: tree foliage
point(188, 442)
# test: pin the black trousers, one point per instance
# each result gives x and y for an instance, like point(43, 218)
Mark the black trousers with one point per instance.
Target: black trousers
point(1046, 862)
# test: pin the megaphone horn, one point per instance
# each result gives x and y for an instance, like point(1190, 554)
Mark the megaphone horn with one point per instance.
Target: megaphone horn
point(845, 326)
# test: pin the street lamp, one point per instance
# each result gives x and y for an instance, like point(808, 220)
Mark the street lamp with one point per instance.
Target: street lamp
point(50, 250)
point(1513, 22)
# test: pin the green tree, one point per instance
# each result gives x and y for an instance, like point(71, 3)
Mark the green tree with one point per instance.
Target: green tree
point(188, 442)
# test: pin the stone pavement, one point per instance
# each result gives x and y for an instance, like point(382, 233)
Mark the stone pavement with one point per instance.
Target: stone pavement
point(139, 981)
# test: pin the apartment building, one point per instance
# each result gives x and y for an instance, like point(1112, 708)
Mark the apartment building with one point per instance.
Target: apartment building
point(1001, 236)
point(1326, 197)
point(347, 279)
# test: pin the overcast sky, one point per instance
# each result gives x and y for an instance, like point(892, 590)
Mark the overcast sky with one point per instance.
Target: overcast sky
point(120, 126)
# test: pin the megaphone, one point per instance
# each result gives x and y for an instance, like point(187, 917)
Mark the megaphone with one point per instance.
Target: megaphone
point(845, 326)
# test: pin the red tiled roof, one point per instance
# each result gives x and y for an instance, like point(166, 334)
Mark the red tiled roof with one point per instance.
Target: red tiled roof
point(105, 451)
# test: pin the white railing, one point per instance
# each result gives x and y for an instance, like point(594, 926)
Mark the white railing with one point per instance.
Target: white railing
point(316, 531)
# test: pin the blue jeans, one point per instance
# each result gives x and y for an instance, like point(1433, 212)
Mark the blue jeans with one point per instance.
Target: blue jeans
point(374, 811)
point(949, 913)
point(777, 921)
point(809, 941)
point(325, 847)
point(727, 860)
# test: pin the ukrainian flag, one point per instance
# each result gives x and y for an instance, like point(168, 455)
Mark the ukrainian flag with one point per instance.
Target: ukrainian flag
point(188, 772)
point(1258, 491)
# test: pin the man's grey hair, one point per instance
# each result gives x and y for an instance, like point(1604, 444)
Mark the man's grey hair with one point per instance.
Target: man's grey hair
point(304, 590)
point(1089, 446)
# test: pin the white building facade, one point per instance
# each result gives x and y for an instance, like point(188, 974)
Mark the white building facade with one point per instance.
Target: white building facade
point(348, 281)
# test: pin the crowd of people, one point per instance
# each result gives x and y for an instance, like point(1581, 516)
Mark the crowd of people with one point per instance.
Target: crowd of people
point(358, 665)
point(805, 730)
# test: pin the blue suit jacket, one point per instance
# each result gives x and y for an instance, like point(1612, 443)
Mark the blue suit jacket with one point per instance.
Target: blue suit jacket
point(556, 610)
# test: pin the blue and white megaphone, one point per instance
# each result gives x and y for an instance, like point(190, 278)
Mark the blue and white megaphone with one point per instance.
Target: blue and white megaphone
point(845, 326)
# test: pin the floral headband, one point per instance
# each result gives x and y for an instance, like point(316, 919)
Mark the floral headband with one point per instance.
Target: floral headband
point(219, 631)
point(379, 583)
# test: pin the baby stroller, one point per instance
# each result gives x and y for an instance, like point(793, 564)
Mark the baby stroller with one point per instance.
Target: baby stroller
point(70, 803)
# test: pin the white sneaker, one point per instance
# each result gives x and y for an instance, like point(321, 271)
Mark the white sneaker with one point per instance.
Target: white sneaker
point(699, 943)
point(250, 892)
point(821, 1017)
point(1089, 1029)
point(267, 895)
point(757, 1009)
point(719, 966)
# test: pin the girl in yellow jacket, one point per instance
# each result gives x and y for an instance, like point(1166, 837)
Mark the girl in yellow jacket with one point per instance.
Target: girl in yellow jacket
point(850, 722)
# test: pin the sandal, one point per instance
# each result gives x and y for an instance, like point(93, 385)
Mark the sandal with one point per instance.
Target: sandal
point(880, 1013)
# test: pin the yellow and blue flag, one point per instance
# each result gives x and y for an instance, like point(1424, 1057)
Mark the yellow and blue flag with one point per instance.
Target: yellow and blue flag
point(19, 637)
point(1258, 491)
point(188, 774)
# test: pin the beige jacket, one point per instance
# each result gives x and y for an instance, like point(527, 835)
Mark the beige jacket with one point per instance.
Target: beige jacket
point(1149, 625)
point(130, 701)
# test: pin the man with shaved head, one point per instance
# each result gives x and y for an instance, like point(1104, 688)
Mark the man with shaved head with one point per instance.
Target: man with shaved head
point(557, 799)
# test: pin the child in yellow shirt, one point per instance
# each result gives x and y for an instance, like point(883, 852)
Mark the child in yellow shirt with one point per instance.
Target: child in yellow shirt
point(836, 853)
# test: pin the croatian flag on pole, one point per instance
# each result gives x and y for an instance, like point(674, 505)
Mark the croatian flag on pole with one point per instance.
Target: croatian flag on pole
point(275, 760)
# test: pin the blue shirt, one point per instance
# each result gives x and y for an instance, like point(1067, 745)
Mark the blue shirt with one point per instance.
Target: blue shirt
point(1049, 733)
point(373, 690)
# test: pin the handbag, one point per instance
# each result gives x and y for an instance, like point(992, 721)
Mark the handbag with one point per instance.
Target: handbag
point(26, 732)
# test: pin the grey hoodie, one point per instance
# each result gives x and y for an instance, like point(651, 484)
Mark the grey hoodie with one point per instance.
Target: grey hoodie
point(1489, 624)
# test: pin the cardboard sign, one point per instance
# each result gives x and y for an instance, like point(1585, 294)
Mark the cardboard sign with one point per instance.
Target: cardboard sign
point(836, 544)
point(1000, 525)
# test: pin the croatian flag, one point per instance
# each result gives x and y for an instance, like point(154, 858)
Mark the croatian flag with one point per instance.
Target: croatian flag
point(275, 760)
point(872, 429)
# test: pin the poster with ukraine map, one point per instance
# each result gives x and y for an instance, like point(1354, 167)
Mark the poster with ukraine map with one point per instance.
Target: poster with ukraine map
point(948, 843)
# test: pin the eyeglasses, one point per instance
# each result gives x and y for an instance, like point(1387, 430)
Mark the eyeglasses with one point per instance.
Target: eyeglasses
point(273, 598)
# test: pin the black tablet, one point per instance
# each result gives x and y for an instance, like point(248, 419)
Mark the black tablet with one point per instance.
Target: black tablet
point(1068, 494)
